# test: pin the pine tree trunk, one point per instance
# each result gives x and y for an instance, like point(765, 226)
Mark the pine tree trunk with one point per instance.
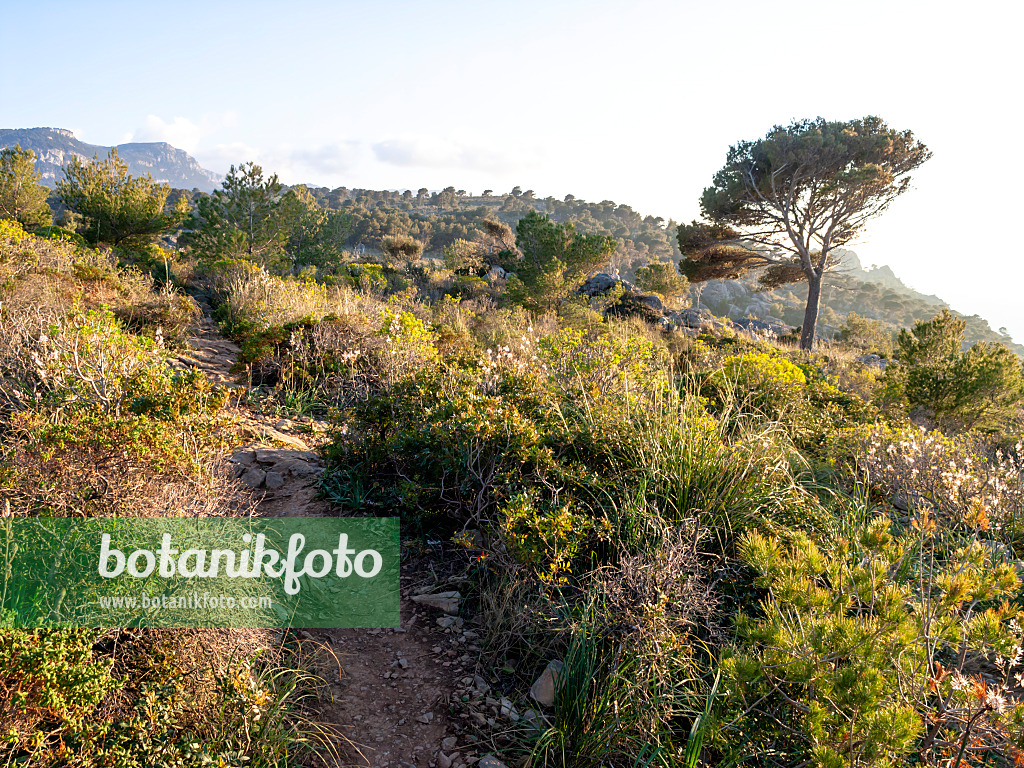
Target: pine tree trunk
point(810, 313)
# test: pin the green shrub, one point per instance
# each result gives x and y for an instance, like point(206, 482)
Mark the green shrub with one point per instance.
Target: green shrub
point(981, 387)
point(865, 652)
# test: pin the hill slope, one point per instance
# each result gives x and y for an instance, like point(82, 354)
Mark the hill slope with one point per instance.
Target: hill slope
point(439, 218)
point(56, 146)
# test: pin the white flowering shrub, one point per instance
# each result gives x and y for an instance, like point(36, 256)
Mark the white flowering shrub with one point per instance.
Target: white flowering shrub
point(958, 478)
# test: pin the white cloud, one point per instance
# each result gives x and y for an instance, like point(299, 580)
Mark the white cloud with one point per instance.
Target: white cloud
point(438, 152)
point(180, 132)
point(319, 164)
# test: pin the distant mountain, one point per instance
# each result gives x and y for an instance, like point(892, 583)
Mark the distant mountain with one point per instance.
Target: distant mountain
point(54, 148)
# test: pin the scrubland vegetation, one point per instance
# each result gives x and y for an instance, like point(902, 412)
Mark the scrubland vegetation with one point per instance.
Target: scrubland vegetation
point(743, 553)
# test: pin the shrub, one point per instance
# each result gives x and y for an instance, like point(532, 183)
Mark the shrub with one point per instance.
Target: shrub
point(865, 653)
point(980, 387)
point(958, 479)
point(90, 699)
point(866, 335)
point(760, 383)
point(601, 365)
point(662, 278)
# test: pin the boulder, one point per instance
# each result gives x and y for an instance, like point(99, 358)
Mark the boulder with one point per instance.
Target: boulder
point(693, 318)
point(650, 300)
point(601, 283)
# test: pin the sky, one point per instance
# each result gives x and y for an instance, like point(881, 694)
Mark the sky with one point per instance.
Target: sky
point(635, 101)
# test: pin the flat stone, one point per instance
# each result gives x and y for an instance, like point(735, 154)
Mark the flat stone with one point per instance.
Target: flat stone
point(425, 718)
point(276, 455)
point(450, 742)
point(445, 601)
point(297, 467)
point(244, 457)
point(274, 480)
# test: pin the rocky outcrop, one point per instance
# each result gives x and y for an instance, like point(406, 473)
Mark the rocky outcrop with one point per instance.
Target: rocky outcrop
point(634, 302)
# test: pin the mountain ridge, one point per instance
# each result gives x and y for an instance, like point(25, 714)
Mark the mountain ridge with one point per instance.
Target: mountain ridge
point(54, 148)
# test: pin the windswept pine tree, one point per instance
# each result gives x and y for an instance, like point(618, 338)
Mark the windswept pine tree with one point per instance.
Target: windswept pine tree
point(786, 201)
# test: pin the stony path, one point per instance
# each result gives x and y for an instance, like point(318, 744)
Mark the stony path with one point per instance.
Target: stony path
point(394, 688)
point(209, 351)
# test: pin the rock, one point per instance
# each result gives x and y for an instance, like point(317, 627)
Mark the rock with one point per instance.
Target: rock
point(602, 283)
point(496, 273)
point(692, 318)
point(763, 326)
point(253, 477)
point(543, 690)
point(284, 424)
point(508, 710)
point(650, 300)
point(445, 622)
point(445, 601)
point(996, 549)
point(481, 685)
point(532, 718)
point(901, 503)
point(277, 455)
point(425, 718)
point(297, 467)
point(443, 761)
point(874, 361)
point(490, 761)
point(274, 480)
point(450, 742)
point(243, 457)
point(319, 426)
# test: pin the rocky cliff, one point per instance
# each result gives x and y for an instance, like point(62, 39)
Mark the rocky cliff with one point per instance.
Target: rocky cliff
point(54, 148)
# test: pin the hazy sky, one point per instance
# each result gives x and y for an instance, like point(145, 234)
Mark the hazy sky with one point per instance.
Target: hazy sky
point(635, 102)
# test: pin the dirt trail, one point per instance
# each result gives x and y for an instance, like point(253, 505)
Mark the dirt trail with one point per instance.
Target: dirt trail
point(392, 694)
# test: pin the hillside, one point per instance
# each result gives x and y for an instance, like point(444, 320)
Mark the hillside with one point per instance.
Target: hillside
point(437, 219)
point(617, 535)
point(56, 146)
